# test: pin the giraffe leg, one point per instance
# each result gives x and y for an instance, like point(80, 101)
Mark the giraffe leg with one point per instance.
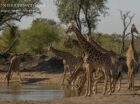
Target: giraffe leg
point(129, 80)
point(19, 76)
point(79, 79)
point(105, 86)
point(115, 77)
point(129, 76)
point(87, 83)
point(95, 87)
point(105, 83)
point(119, 87)
point(83, 78)
point(96, 80)
point(90, 80)
point(74, 74)
point(114, 85)
point(70, 69)
point(78, 70)
point(6, 77)
point(81, 83)
point(88, 91)
point(9, 76)
point(132, 81)
point(110, 84)
point(64, 75)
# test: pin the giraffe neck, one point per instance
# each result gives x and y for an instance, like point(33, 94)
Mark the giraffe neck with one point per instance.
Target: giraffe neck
point(132, 40)
point(96, 45)
point(61, 54)
point(76, 43)
point(85, 45)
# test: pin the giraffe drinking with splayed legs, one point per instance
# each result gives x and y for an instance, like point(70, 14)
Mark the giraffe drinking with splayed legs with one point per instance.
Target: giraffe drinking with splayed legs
point(93, 60)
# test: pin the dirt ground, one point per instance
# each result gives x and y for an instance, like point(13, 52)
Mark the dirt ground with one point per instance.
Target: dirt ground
point(123, 97)
point(43, 76)
point(82, 100)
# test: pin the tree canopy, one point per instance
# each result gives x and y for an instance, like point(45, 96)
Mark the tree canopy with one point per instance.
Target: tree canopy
point(16, 9)
point(84, 13)
point(37, 38)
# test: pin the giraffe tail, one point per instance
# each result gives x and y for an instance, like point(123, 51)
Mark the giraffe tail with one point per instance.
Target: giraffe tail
point(135, 62)
point(137, 69)
point(119, 75)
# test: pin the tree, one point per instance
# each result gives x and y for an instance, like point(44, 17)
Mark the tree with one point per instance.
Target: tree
point(45, 20)
point(16, 9)
point(126, 19)
point(36, 39)
point(84, 13)
point(114, 39)
point(8, 36)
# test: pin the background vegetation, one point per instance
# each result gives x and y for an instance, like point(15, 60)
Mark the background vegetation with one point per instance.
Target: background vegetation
point(43, 32)
point(84, 13)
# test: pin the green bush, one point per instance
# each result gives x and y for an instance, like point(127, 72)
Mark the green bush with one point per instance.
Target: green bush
point(8, 36)
point(36, 38)
point(42, 32)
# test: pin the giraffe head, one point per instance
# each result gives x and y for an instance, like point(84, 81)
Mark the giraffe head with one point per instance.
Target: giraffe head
point(133, 29)
point(70, 28)
point(67, 41)
point(49, 47)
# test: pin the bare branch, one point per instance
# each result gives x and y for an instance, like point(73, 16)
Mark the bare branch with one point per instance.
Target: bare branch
point(130, 20)
point(126, 19)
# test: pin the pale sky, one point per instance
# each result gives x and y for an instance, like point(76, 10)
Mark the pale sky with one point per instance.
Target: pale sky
point(109, 24)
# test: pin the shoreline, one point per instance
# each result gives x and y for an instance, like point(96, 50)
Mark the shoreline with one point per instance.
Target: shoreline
point(42, 78)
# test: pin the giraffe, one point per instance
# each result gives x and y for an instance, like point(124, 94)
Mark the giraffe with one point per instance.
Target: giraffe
point(132, 59)
point(69, 60)
point(115, 73)
point(70, 41)
point(14, 67)
point(117, 61)
point(78, 68)
point(93, 59)
point(97, 46)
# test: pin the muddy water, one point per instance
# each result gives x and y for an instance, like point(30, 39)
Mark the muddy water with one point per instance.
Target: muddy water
point(33, 92)
point(37, 92)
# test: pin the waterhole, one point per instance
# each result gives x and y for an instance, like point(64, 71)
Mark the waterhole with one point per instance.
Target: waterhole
point(34, 92)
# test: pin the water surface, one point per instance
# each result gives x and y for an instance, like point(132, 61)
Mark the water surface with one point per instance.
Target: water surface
point(30, 92)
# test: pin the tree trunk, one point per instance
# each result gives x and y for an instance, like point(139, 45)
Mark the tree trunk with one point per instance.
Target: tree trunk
point(123, 43)
point(12, 44)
